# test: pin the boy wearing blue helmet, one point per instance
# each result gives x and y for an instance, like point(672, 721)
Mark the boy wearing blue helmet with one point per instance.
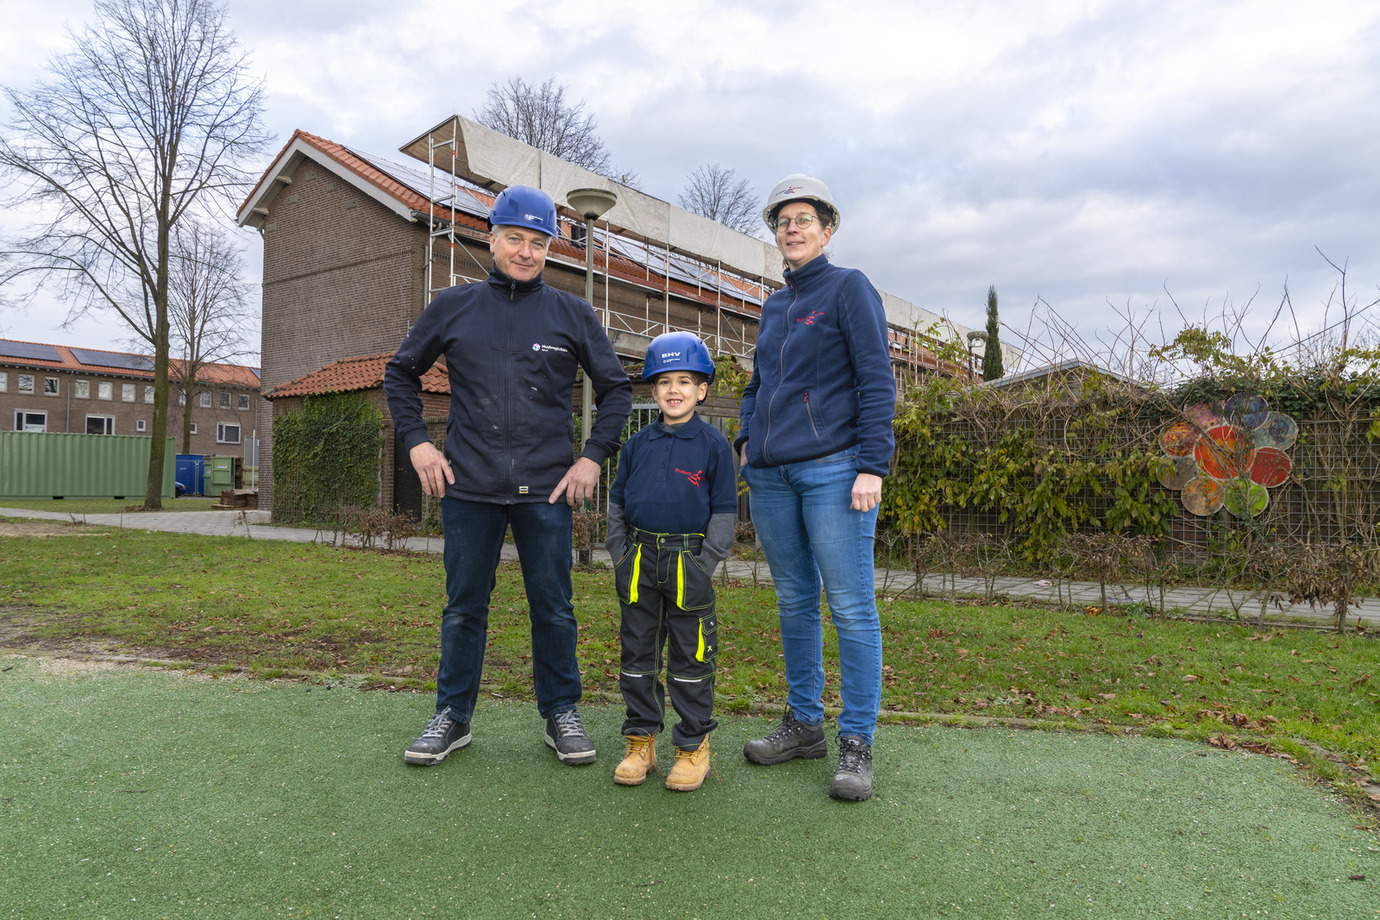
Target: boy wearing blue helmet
point(672, 509)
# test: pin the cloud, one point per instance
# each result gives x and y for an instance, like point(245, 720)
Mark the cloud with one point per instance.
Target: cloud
point(1077, 153)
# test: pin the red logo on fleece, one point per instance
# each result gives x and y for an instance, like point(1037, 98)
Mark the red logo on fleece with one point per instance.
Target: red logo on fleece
point(810, 320)
point(696, 478)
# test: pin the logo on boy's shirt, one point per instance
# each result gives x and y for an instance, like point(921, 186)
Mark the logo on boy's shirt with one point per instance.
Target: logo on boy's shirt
point(696, 478)
point(810, 320)
point(537, 346)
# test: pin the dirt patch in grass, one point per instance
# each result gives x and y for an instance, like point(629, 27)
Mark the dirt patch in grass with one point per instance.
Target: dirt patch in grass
point(12, 527)
point(23, 629)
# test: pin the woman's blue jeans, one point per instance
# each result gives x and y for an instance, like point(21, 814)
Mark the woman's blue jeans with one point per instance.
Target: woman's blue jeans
point(474, 544)
point(810, 534)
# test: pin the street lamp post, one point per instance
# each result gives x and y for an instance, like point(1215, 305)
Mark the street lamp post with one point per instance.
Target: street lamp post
point(591, 204)
point(973, 338)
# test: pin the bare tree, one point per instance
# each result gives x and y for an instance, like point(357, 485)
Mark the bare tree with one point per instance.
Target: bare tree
point(208, 312)
point(540, 116)
point(143, 123)
point(712, 192)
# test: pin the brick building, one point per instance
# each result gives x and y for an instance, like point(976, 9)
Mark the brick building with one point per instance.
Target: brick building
point(356, 245)
point(59, 388)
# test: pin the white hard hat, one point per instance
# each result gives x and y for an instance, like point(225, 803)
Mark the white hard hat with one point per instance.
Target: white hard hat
point(800, 187)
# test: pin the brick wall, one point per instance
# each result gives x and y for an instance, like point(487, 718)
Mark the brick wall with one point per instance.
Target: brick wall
point(342, 277)
point(80, 402)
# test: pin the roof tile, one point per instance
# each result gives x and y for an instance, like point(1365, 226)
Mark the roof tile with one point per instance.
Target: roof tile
point(364, 372)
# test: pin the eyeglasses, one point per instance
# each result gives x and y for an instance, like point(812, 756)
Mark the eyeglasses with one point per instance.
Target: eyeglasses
point(802, 221)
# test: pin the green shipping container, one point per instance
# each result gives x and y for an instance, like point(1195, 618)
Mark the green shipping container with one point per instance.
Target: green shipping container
point(221, 471)
point(40, 465)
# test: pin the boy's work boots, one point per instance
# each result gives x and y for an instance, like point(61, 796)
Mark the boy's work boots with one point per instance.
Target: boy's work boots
point(638, 762)
point(691, 768)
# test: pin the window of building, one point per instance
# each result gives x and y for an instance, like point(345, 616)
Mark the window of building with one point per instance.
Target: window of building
point(127, 392)
point(100, 424)
point(227, 434)
point(105, 389)
point(139, 425)
point(4, 381)
point(30, 421)
point(225, 400)
point(82, 389)
point(148, 395)
point(26, 383)
point(50, 386)
point(181, 398)
point(193, 427)
point(244, 401)
point(205, 400)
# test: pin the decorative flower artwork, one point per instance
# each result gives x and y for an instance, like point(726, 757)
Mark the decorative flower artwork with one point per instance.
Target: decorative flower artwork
point(1228, 455)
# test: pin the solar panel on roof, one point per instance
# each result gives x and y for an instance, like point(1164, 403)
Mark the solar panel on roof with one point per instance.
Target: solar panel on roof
point(112, 359)
point(29, 351)
point(419, 181)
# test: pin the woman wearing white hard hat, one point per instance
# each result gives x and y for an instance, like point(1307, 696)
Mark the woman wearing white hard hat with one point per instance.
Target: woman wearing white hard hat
point(816, 441)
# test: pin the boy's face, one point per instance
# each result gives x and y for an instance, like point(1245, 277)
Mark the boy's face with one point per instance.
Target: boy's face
point(676, 394)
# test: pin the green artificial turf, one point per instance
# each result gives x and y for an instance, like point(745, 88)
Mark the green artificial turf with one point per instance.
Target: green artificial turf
point(130, 792)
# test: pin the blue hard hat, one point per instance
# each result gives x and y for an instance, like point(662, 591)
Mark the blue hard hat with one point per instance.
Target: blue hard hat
point(524, 206)
point(677, 351)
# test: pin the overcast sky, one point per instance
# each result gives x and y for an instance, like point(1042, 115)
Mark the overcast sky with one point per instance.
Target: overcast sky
point(1091, 159)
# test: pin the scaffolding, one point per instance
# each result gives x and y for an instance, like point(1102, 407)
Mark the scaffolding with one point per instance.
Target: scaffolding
point(672, 282)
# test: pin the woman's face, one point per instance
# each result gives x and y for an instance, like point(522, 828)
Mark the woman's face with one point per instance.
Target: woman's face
point(800, 245)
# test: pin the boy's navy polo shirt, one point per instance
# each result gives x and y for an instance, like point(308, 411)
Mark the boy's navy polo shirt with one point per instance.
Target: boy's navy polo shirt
point(673, 481)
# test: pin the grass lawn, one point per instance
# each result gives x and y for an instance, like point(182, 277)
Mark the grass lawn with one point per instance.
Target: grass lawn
point(370, 619)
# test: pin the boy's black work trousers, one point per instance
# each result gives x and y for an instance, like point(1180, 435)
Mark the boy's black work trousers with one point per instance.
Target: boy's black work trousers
point(668, 601)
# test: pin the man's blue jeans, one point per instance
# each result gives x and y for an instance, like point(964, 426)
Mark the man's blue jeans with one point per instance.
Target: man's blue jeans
point(474, 543)
point(810, 534)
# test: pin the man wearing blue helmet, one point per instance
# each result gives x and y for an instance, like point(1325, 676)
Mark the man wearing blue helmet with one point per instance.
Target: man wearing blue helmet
point(671, 513)
point(512, 347)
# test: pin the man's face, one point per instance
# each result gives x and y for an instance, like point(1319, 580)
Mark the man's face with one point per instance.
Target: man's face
point(518, 252)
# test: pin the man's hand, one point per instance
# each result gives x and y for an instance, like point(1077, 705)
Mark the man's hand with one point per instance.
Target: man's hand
point(578, 484)
point(432, 467)
point(867, 492)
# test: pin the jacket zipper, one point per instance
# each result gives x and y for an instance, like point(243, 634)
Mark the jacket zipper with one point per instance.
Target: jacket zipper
point(509, 486)
point(809, 413)
point(780, 368)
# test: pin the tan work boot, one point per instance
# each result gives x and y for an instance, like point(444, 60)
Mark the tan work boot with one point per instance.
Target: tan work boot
point(638, 762)
point(691, 768)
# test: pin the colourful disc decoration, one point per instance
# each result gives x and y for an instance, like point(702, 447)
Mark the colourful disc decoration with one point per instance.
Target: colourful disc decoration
point(1270, 467)
point(1227, 454)
point(1244, 498)
point(1203, 495)
point(1246, 411)
point(1224, 452)
point(1277, 430)
point(1178, 441)
point(1205, 415)
point(1177, 471)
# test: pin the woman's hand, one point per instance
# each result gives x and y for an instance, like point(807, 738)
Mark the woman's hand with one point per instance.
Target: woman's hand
point(867, 492)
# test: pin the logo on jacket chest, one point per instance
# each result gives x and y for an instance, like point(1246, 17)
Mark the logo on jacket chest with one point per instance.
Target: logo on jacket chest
point(810, 320)
point(539, 347)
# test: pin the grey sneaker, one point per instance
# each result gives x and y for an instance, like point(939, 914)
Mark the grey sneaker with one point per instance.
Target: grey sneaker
point(853, 778)
point(789, 740)
point(565, 734)
point(441, 736)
